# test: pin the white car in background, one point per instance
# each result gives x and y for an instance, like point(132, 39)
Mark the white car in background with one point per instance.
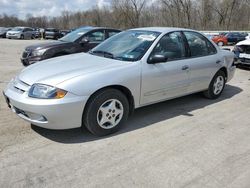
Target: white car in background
point(21, 33)
point(242, 52)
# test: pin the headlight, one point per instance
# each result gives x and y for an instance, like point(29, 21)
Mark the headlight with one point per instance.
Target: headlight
point(38, 52)
point(42, 91)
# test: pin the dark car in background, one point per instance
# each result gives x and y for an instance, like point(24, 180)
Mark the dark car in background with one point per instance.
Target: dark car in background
point(52, 33)
point(3, 31)
point(235, 37)
point(64, 32)
point(80, 40)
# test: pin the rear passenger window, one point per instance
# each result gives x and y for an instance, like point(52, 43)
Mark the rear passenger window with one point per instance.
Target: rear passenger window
point(171, 46)
point(112, 33)
point(199, 45)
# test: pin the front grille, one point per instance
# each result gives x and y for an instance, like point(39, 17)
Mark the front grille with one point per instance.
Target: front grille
point(26, 54)
point(20, 86)
point(244, 60)
point(19, 111)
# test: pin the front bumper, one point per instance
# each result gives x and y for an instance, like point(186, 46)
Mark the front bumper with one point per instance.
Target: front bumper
point(14, 36)
point(63, 113)
point(243, 61)
point(30, 60)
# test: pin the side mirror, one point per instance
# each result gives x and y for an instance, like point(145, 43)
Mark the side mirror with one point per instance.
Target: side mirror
point(84, 41)
point(157, 59)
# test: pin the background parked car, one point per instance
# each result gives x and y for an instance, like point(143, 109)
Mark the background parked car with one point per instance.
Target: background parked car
point(220, 40)
point(80, 40)
point(64, 32)
point(223, 33)
point(52, 33)
point(242, 53)
point(3, 31)
point(21, 33)
point(234, 37)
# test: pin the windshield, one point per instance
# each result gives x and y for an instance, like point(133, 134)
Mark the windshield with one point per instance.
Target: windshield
point(74, 35)
point(126, 46)
point(17, 29)
point(50, 30)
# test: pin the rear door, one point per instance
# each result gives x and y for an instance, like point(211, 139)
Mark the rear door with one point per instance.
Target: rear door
point(204, 61)
point(167, 79)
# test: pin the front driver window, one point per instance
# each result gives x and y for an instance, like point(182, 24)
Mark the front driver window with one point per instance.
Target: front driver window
point(97, 36)
point(171, 46)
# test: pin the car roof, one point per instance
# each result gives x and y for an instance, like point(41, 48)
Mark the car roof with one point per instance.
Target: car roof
point(92, 27)
point(21, 27)
point(163, 29)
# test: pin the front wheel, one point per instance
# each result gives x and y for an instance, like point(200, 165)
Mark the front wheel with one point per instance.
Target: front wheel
point(105, 112)
point(216, 86)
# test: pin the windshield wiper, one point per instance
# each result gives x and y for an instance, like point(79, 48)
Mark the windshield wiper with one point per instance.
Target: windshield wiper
point(102, 53)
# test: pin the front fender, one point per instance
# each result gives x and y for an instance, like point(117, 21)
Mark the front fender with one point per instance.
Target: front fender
point(128, 76)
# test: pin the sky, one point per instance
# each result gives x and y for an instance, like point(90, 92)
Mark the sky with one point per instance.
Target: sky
point(51, 8)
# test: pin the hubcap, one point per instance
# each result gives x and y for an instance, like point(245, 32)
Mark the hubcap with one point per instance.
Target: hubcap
point(110, 114)
point(220, 43)
point(218, 85)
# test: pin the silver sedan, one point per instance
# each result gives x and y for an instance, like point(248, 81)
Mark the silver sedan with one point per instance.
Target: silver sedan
point(132, 69)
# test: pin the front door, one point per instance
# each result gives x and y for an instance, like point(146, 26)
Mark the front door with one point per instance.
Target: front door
point(93, 39)
point(168, 79)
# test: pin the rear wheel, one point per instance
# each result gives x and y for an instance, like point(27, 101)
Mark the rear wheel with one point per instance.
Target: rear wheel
point(21, 37)
point(105, 112)
point(216, 86)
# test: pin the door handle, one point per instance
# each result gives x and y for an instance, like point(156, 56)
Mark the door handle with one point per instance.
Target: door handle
point(218, 62)
point(185, 67)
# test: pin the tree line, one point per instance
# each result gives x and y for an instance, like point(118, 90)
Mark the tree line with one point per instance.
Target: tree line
point(123, 14)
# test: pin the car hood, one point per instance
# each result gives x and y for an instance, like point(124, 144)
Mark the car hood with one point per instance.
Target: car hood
point(14, 32)
point(57, 70)
point(46, 45)
point(244, 42)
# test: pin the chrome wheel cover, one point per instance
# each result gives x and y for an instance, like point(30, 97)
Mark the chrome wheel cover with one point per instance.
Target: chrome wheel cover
point(110, 114)
point(218, 85)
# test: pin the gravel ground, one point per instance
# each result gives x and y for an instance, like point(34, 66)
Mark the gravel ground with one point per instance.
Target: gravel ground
point(186, 142)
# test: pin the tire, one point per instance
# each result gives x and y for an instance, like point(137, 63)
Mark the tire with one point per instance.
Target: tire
point(21, 37)
point(221, 43)
point(215, 90)
point(103, 108)
point(32, 37)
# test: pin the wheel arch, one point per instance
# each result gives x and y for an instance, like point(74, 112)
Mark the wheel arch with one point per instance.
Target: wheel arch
point(224, 69)
point(122, 89)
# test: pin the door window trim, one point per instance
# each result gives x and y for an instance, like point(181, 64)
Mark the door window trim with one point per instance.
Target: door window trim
point(184, 45)
point(189, 50)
